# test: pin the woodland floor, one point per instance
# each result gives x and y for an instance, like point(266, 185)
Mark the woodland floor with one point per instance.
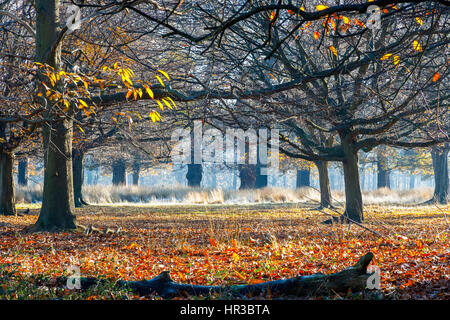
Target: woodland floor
point(228, 244)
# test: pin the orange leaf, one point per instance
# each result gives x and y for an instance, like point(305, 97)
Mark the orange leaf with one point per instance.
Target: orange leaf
point(316, 35)
point(333, 49)
point(436, 76)
point(239, 275)
point(212, 242)
point(272, 16)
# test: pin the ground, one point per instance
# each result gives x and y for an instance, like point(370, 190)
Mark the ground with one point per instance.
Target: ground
point(228, 244)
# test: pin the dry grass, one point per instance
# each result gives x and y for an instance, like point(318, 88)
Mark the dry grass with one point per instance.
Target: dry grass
point(184, 195)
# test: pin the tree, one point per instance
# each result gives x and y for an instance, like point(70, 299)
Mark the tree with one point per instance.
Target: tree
point(440, 166)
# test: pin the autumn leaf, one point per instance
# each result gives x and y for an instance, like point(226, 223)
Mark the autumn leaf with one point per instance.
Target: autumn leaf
point(164, 74)
point(417, 46)
point(436, 76)
point(321, 7)
point(160, 80)
point(129, 93)
point(212, 242)
point(235, 257)
point(333, 49)
point(386, 56)
point(160, 105)
point(272, 16)
point(419, 21)
point(240, 276)
point(360, 23)
point(155, 116)
point(316, 35)
point(149, 91)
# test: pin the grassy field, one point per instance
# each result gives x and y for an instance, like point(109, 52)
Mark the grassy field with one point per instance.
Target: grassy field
point(227, 244)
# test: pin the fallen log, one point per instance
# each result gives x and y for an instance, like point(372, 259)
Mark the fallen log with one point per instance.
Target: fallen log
point(354, 278)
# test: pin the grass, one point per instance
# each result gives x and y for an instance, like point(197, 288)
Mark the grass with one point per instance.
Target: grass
point(228, 244)
point(100, 194)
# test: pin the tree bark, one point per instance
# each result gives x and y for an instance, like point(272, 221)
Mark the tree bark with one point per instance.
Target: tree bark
point(22, 175)
point(303, 178)
point(78, 177)
point(324, 182)
point(247, 173)
point(383, 176)
point(353, 197)
point(412, 179)
point(194, 175)
point(440, 167)
point(119, 173)
point(7, 200)
point(57, 212)
point(354, 278)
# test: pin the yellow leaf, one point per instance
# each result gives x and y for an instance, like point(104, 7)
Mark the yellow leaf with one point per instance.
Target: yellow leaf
point(167, 103)
point(396, 60)
point(83, 103)
point(419, 21)
point(81, 129)
point(345, 19)
point(160, 105)
point(155, 116)
point(235, 257)
point(173, 102)
point(316, 35)
point(386, 56)
point(417, 46)
point(160, 81)
point(321, 7)
point(165, 74)
point(149, 92)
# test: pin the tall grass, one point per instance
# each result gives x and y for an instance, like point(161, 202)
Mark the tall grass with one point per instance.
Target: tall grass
point(100, 194)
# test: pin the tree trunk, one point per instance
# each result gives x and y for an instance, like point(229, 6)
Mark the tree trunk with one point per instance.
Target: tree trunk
point(412, 179)
point(22, 175)
point(261, 179)
point(57, 212)
point(303, 178)
point(247, 173)
point(194, 175)
point(440, 167)
point(383, 176)
point(7, 201)
point(119, 173)
point(78, 177)
point(353, 197)
point(324, 182)
point(355, 278)
point(57, 199)
point(136, 171)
